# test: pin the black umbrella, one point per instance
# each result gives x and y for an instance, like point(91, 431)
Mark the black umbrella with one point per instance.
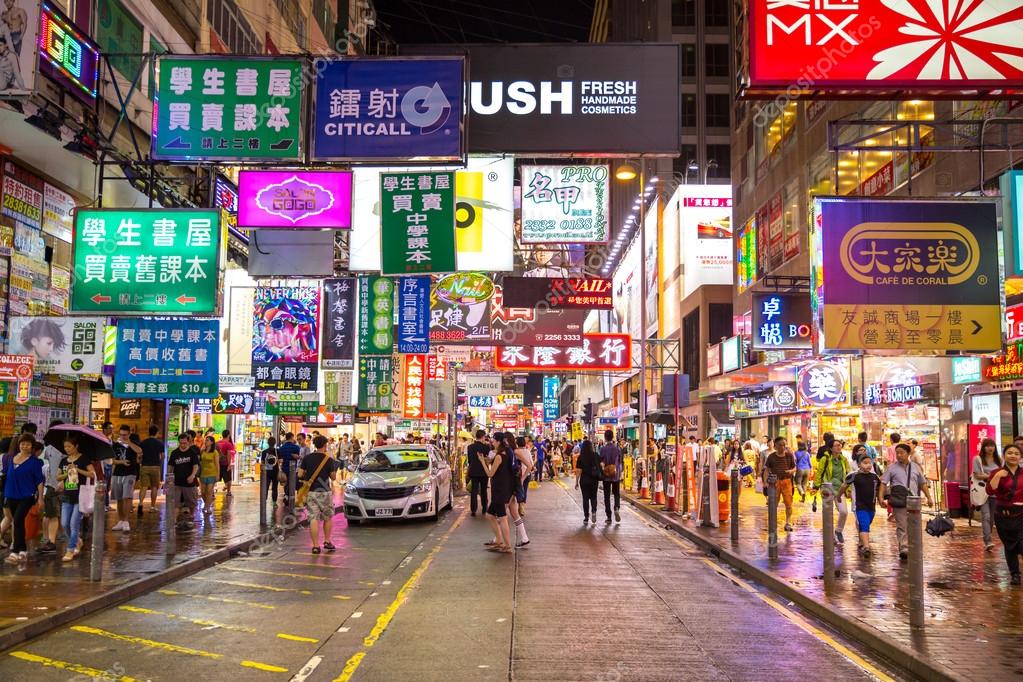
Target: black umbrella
point(91, 442)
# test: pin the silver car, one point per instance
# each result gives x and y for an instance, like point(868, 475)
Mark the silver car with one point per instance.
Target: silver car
point(398, 482)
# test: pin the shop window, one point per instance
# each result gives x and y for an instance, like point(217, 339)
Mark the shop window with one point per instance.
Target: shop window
point(683, 13)
point(717, 13)
point(781, 127)
point(718, 111)
point(717, 60)
point(719, 161)
point(688, 60)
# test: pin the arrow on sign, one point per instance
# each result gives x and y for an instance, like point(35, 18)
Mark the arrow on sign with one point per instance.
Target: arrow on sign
point(192, 372)
point(182, 299)
point(976, 327)
point(98, 298)
point(135, 371)
point(415, 339)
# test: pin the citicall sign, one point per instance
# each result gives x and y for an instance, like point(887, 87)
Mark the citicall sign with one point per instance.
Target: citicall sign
point(809, 45)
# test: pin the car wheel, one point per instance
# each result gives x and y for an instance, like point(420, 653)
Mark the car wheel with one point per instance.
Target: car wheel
point(436, 506)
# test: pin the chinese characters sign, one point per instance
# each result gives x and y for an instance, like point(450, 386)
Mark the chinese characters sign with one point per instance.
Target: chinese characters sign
point(376, 316)
point(413, 314)
point(337, 349)
point(375, 383)
point(1007, 366)
point(906, 275)
point(234, 403)
point(220, 108)
point(565, 204)
point(417, 222)
point(872, 45)
point(533, 326)
point(291, 406)
point(551, 399)
point(458, 311)
point(822, 384)
point(590, 293)
point(413, 382)
point(389, 108)
point(169, 358)
point(60, 345)
point(285, 338)
point(162, 261)
point(313, 199)
point(705, 224)
point(597, 352)
point(781, 321)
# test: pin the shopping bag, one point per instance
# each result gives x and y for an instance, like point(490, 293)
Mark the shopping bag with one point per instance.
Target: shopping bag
point(86, 498)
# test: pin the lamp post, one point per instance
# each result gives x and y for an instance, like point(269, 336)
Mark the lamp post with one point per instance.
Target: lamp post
point(711, 165)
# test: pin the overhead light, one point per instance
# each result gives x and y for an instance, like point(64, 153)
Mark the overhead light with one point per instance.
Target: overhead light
point(626, 172)
point(693, 166)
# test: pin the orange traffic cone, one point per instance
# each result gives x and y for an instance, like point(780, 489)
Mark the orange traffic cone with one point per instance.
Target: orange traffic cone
point(644, 487)
point(658, 489)
point(672, 501)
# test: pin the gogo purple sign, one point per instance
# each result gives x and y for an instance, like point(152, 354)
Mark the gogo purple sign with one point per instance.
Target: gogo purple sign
point(311, 199)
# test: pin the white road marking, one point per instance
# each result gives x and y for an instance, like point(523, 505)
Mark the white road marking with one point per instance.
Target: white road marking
point(386, 582)
point(357, 614)
point(343, 629)
point(307, 669)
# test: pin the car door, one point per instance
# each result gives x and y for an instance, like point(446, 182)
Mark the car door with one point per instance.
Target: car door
point(443, 473)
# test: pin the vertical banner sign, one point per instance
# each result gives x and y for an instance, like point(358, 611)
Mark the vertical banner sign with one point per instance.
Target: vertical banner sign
point(19, 44)
point(224, 108)
point(413, 314)
point(337, 388)
point(376, 316)
point(285, 338)
point(168, 358)
point(375, 381)
point(337, 349)
point(58, 207)
point(146, 261)
point(413, 382)
point(551, 398)
point(565, 204)
point(436, 368)
point(417, 226)
point(391, 108)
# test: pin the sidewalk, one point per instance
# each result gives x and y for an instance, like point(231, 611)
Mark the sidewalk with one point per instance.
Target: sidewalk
point(45, 585)
point(974, 618)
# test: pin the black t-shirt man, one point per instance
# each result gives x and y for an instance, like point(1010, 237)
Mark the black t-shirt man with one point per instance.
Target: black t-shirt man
point(182, 462)
point(152, 452)
point(124, 452)
point(308, 467)
point(475, 449)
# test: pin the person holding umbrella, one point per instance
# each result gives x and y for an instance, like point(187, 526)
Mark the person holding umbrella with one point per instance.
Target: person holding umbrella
point(89, 444)
point(23, 487)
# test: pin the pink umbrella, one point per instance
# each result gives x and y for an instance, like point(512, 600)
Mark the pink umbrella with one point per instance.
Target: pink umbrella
point(92, 442)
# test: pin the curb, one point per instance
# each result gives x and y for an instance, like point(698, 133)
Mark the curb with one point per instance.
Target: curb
point(896, 654)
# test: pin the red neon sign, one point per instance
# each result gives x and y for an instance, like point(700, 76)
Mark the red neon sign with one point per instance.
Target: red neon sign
point(414, 367)
point(597, 352)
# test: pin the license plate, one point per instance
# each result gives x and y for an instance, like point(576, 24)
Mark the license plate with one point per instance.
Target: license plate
point(384, 512)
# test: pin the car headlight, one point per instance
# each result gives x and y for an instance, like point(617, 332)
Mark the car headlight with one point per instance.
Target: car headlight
point(424, 487)
point(351, 489)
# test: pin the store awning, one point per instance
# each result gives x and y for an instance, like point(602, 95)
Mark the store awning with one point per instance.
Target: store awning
point(667, 417)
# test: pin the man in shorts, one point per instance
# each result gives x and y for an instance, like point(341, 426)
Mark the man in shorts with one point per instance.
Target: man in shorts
point(319, 503)
point(122, 483)
point(184, 464)
point(51, 456)
point(151, 471)
point(782, 464)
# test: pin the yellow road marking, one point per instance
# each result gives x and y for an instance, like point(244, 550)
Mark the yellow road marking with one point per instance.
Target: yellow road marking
point(351, 665)
point(152, 644)
point(297, 638)
point(257, 586)
point(196, 621)
point(70, 667)
point(342, 597)
point(225, 600)
point(264, 666)
point(303, 563)
point(286, 575)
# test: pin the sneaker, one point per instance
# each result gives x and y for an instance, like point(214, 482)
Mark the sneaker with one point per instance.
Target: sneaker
point(586, 519)
point(989, 547)
point(839, 539)
point(607, 521)
point(117, 526)
point(329, 546)
point(12, 558)
point(48, 548)
point(316, 550)
point(618, 517)
point(788, 527)
point(1015, 579)
point(522, 544)
point(125, 527)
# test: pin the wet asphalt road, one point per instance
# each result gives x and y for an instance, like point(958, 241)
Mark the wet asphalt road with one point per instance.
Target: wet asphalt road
point(424, 601)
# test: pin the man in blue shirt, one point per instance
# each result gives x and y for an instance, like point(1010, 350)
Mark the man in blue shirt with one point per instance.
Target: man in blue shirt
point(290, 455)
point(611, 462)
point(541, 453)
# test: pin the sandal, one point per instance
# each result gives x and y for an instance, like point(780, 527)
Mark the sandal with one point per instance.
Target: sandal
point(490, 543)
point(68, 556)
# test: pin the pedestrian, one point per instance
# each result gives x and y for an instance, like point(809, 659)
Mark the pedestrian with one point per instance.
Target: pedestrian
point(51, 497)
point(478, 473)
point(861, 439)
point(1007, 489)
point(210, 458)
point(587, 478)
point(541, 459)
point(270, 461)
point(317, 471)
point(903, 479)
point(73, 470)
point(517, 503)
point(499, 472)
point(612, 463)
point(122, 481)
point(782, 464)
point(107, 466)
point(985, 463)
point(290, 456)
point(151, 468)
point(23, 488)
point(803, 467)
point(184, 462)
point(833, 468)
point(865, 486)
point(225, 446)
point(825, 448)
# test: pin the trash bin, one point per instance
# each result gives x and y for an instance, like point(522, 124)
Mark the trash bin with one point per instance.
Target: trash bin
point(953, 499)
point(724, 499)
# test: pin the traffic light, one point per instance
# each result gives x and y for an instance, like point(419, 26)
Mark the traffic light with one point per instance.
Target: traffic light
point(588, 412)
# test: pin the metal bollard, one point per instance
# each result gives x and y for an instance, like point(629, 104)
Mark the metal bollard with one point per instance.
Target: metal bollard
point(772, 516)
point(705, 498)
point(735, 504)
point(264, 483)
point(828, 523)
point(99, 531)
point(914, 535)
point(170, 516)
point(292, 480)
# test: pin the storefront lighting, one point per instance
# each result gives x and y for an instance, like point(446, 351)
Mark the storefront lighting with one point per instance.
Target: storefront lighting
point(626, 172)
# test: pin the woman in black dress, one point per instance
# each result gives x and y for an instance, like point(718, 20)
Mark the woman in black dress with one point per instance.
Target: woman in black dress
point(501, 489)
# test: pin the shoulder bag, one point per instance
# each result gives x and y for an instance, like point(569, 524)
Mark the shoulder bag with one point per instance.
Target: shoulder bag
point(899, 494)
point(303, 492)
point(978, 489)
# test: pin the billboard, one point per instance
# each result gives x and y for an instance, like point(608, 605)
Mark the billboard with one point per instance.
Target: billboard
point(388, 108)
point(168, 358)
point(607, 352)
point(589, 293)
point(285, 337)
point(484, 216)
point(882, 45)
point(782, 321)
point(414, 315)
point(314, 199)
point(19, 45)
point(60, 345)
point(551, 399)
point(413, 382)
point(565, 204)
point(376, 316)
point(483, 384)
point(705, 222)
point(906, 274)
point(338, 347)
point(534, 327)
point(417, 224)
point(461, 319)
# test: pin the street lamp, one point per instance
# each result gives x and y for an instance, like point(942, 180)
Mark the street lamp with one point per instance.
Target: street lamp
point(712, 164)
point(691, 167)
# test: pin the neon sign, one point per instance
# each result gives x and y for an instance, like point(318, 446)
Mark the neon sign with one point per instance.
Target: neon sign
point(67, 56)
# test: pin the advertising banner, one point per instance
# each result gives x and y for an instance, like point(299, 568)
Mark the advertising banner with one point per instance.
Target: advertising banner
point(68, 56)
point(228, 109)
point(16, 368)
point(908, 274)
point(376, 316)
point(58, 208)
point(60, 345)
point(19, 45)
point(589, 293)
point(285, 338)
point(551, 399)
point(337, 388)
point(413, 380)
point(967, 369)
point(483, 384)
point(565, 204)
point(22, 196)
point(481, 401)
point(146, 261)
point(705, 216)
point(882, 45)
point(288, 406)
point(234, 403)
point(822, 385)
point(459, 323)
point(436, 368)
point(167, 358)
point(389, 108)
point(782, 321)
point(596, 352)
point(312, 199)
point(978, 433)
point(337, 349)
point(575, 98)
point(530, 326)
point(375, 383)
point(484, 216)
point(292, 253)
point(239, 334)
point(417, 226)
point(413, 315)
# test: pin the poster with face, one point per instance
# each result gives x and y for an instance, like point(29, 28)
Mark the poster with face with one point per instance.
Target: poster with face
point(286, 324)
point(60, 345)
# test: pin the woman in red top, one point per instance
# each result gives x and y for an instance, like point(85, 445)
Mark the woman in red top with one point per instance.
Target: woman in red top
point(1006, 486)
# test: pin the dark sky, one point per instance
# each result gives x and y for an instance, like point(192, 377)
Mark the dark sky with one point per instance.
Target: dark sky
point(485, 21)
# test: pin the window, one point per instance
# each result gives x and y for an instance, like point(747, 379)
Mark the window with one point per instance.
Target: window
point(688, 111)
point(717, 13)
point(232, 27)
point(720, 321)
point(781, 127)
point(718, 111)
point(688, 60)
point(719, 161)
point(683, 12)
point(717, 60)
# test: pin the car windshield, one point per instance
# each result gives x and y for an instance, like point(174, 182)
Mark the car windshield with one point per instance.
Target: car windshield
point(395, 460)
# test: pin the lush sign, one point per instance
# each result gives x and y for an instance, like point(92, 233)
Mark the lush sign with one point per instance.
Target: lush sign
point(313, 199)
point(158, 261)
point(565, 204)
point(167, 358)
point(417, 222)
point(966, 369)
point(226, 108)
